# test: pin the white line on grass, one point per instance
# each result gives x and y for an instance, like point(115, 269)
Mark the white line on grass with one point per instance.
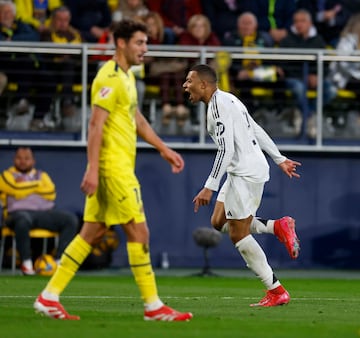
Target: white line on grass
point(188, 298)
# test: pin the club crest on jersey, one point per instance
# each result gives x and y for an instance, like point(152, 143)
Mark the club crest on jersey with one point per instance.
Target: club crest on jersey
point(104, 92)
point(220, 128)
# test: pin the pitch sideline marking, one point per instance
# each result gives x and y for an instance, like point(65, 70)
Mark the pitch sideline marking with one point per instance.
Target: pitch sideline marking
point(178, 297)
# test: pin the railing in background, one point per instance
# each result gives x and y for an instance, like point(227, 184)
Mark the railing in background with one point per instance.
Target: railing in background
point(198, 138)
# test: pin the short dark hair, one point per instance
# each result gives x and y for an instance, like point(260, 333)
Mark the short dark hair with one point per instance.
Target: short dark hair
point(125, 29)
point(205, 72)
point(59, 10)
point(24, 148)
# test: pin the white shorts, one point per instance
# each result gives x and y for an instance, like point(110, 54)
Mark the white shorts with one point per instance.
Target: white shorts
point(241, 198)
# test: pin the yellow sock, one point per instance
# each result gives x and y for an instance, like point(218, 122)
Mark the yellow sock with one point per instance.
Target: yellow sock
point(72, 258)
point(140, 264)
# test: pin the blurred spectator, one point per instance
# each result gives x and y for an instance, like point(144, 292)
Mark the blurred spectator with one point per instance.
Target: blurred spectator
point(129, 9)
point(13, 29)
point(274, 16)
point(36, 12)
point(60, 30)
point(247, 73)
point(20, 67)
point(28, 195)
point(342, 72)
point(156, 29)
point(346, 75)
point(168, 73)
point(199, 32)
point(175, 15)
point(62, 68)
point(155, 26)
point(303, 33)
point(329, 17)
point(247, 35)
point(3, 82)
point(223, 14)
point(91, 18)
point(298, 79)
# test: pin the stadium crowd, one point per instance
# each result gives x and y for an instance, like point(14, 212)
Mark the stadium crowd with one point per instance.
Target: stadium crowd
point(232, 23)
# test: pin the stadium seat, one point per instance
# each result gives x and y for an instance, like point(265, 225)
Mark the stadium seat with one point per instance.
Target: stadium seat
point(34, 233)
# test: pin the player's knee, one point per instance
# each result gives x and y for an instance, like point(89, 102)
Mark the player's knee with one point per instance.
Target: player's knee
point(98, 237)
point(92, 238)
point(238, 232)
point(216, 222)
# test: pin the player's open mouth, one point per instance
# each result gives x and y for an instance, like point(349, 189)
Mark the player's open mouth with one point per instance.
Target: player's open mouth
point(189, 95)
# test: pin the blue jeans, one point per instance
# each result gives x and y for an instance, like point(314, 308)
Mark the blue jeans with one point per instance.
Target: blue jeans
point(299, 89)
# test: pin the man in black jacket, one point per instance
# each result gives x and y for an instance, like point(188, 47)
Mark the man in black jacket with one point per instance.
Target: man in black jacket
point(303, 75)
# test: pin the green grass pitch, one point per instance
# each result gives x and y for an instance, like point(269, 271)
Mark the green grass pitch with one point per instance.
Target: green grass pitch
point(110, 306)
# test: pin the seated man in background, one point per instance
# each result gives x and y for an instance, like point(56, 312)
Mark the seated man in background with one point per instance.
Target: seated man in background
point(28, 195)
point(329, 17)
point(13, 29)
point(301, 76)
point(36, 12)
point(247, 73)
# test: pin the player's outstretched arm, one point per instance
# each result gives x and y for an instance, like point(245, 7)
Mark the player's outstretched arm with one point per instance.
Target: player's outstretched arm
point(202, 198)
point(289, 168)
point(175, 159)
point(90, 179)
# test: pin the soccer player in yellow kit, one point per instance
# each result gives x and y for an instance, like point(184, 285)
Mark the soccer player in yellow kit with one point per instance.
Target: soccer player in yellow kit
point(112, 190)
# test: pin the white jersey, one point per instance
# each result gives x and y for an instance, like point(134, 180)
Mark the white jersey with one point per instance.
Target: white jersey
point(240, 141)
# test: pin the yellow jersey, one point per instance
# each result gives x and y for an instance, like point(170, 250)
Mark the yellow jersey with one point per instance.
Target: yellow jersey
point(114, 91)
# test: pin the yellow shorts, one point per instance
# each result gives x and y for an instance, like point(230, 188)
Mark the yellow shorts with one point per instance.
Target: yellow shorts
point(116, 201)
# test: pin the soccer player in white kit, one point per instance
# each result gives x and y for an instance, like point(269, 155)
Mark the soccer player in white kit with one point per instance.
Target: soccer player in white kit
point(241, 142)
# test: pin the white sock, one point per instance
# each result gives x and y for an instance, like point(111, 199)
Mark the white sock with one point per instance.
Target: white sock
point(28, 264)
point(49, 296)
point(154, 305)
point(255, 259)
point(258, 227)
